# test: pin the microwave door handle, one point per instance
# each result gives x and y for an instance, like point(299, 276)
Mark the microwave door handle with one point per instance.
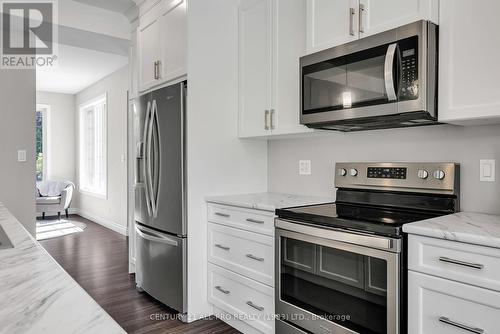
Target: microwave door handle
point(389, 72)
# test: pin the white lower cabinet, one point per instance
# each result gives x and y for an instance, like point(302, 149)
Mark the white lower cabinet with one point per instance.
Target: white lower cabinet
point(453, 287)
point(443, 306)
point(241, 267)
point(246, 299)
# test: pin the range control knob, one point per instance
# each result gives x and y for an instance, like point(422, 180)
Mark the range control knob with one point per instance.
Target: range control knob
point(353, 172)
point(341, 172)
point(439, 174)
point(422, 174)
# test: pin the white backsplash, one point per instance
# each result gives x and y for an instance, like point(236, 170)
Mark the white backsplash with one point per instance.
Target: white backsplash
point(443, 143)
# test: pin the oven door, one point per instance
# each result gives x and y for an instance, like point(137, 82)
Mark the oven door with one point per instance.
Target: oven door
point(330, 286)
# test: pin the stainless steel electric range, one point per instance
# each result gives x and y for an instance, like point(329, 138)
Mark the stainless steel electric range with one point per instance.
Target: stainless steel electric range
point(341, 267)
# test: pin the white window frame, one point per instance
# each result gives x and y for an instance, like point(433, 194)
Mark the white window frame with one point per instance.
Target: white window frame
point(81, 108)
point(44, 109)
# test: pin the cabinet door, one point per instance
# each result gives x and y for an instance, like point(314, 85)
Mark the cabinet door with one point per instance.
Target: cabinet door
point(468, 62)
point(148, 36)
point(376, 16)
point(254, 67)
point(289, 20)
point(442, 306)
point(173, 25)
point(331, 23)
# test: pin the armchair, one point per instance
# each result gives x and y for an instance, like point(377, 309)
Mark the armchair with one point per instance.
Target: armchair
point(54, 196)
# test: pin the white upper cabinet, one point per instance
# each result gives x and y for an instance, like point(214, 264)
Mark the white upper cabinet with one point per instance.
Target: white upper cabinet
point(289, 20)
point(254, 68)
point(173, 27)
point(148, 36)
point(161, 43)
point(331, 23)
point(469, 45)
point(335, 22)
point(271, 41)
point(376, 16)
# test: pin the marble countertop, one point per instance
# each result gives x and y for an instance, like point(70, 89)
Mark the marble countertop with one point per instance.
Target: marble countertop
point(474, 228)
point(267, 201)
point(37, 295)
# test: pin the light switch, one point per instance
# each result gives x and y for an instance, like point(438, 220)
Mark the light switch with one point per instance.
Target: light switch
point(304, 167)
point(487, 170)
point(21, 155)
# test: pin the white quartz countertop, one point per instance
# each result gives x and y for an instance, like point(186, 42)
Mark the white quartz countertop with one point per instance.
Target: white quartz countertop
point(37, 295)
point(267, 201)
point(474, 228)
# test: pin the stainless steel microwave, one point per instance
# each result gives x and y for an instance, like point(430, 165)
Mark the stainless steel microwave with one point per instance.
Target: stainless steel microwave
point(386, 80)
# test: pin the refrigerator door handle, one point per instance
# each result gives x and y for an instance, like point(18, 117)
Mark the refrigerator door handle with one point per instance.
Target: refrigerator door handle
point(145, 160)
point(150, 235)
point(149, 168)
point(155, 183)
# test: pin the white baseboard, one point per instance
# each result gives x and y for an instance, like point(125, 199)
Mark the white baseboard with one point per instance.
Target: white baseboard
point(112, 225)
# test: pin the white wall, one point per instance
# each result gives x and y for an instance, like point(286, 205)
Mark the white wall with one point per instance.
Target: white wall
point(62, 135)
point(111, 212)
point(217, 161)
point(17, 132)
point(465, 145)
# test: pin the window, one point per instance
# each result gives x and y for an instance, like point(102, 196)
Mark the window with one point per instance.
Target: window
point(41, 126)
point(93, 147)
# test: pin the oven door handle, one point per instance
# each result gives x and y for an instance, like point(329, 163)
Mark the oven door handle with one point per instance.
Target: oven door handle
point(389, 72)
point(384, 243)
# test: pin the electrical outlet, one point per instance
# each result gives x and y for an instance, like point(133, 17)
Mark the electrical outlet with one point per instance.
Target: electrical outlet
point(304, 167)
point(487, 170)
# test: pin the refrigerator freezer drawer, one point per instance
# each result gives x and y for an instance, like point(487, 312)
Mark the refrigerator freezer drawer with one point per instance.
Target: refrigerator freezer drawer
point(161, 266)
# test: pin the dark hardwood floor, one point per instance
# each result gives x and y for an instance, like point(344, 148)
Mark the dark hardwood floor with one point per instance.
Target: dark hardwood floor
point(98, 260)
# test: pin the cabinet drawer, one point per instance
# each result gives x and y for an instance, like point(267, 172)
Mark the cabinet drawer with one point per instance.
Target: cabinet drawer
point(436, 305)
point(471, 264)
point(248, 300)
point(249, 254)
point(246, 219)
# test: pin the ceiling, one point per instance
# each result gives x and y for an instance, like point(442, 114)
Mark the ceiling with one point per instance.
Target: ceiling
point(120, 6)
point(76, 69)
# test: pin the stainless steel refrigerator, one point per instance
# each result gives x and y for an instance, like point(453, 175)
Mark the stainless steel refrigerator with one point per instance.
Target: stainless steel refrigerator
point(160, 195)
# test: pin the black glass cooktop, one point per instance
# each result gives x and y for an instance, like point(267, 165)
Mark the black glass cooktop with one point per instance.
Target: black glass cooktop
point(369, 219)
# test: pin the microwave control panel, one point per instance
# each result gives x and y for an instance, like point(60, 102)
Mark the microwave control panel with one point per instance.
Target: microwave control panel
point(409, 69)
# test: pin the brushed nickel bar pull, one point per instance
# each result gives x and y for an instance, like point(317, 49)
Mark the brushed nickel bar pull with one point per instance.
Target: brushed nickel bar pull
point(361, 13)
point(256, 258)
point(266, 119)
point(222, 247)
point(257, 307)
point(352, 12)
point(256, 221)
point(225, 215)
point(226, 292)
point(461, 263)
point(271, 119)
point(474, 330)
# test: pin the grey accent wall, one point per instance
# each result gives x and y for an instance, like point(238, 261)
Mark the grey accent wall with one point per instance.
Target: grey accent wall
point(443, 143)
point(17, 132)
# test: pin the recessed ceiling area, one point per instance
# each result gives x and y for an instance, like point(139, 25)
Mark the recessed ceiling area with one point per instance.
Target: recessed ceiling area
point(120, 6)
point(76, 69)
